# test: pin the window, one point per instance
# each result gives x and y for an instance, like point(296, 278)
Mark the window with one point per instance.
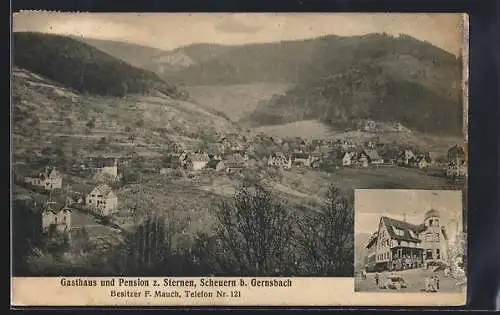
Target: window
point(64, 219)
point(437, 237)
point(438, 254)
point(93, 196)
point(436, 222)
point(399, 243)
point(55, 220)
point(399, 232)
point(428, 254)
point(430, 222)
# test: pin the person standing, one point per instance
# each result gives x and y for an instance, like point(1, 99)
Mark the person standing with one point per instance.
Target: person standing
point(437, 283)
point(427, 284)
point(376, 278)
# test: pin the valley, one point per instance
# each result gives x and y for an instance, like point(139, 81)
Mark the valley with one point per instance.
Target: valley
point(183, 142)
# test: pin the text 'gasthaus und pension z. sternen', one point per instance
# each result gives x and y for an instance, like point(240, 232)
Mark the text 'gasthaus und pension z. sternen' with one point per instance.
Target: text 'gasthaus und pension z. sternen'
point(169, 282)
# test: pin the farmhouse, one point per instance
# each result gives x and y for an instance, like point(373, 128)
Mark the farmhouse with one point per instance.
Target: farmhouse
point(102, 200)
point(48, 179)
point(184, 159)
point(56, 217)
point(217, 165)
point(104, 166)
point(420, 162)
point(279, 160)
point(198, 161)
point(456, 155)
point(349, 158)
point(234, 163)
point(301, 159)
point(405, 157)
point(369, 157)
point(398, 245)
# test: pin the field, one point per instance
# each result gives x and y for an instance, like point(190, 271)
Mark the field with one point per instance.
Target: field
point(414, 278)
point(235, 101)
point(308, 129)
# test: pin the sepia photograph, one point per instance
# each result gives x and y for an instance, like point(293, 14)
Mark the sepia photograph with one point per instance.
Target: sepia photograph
point(409, 241)
point(221, 144)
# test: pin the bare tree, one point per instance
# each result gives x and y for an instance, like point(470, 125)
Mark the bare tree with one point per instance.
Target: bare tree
point(254, 232)
point(325, 238)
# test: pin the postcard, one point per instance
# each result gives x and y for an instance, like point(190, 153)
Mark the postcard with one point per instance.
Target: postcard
point(290, 159)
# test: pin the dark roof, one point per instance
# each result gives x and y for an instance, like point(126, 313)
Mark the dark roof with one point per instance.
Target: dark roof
point(55, 207)
point(372, 154)
point(299, 155)
point(402, 225)
point(431, 213)
point(99, 162)
point(213, 163)
point(372, 240)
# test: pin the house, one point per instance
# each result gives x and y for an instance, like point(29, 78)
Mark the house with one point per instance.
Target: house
point(102, 200)
point(234, 163)
point(402, 245)
point(316, 159)
point(301, 159)
point(419, 162)
point(405, 157)
point(456, 155)
point(198, 161)
point(184, 159)
point(348, 158)
point(104, 165)
point(48, 179)
point(370, 254)
point(369, 157)
point(279, 160)
point(56, 216)
point(217, 165)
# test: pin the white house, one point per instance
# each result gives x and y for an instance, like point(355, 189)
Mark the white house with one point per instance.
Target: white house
point(56, 216)
point(102, 200)
point(348, 158)
point(104, 166)
point(49, 179)
point(199, 161)
point(279, 160)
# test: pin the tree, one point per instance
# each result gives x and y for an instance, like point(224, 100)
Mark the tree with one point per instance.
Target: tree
point(254, 231)
point(26, 234)
point(325, 238)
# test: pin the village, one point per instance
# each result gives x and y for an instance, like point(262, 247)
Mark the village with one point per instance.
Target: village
point(63, 206)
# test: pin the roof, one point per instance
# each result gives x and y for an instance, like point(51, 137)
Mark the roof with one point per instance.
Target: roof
point(203, 157)
point(213, 163)
point(372, 154)
point(278, 155)
point(104, 189)
point(372, 240)
point(407, 228)
point(55, 207)
point(300, 155)
point(234, 158)
point(431, 213)
point(99, 162)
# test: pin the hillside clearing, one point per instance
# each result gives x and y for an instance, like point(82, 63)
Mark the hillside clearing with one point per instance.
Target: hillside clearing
point(235, 101)
point(305, 129)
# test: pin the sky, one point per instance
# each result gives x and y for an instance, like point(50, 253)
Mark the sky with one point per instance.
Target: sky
point(171, 30)
point(371, 204)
